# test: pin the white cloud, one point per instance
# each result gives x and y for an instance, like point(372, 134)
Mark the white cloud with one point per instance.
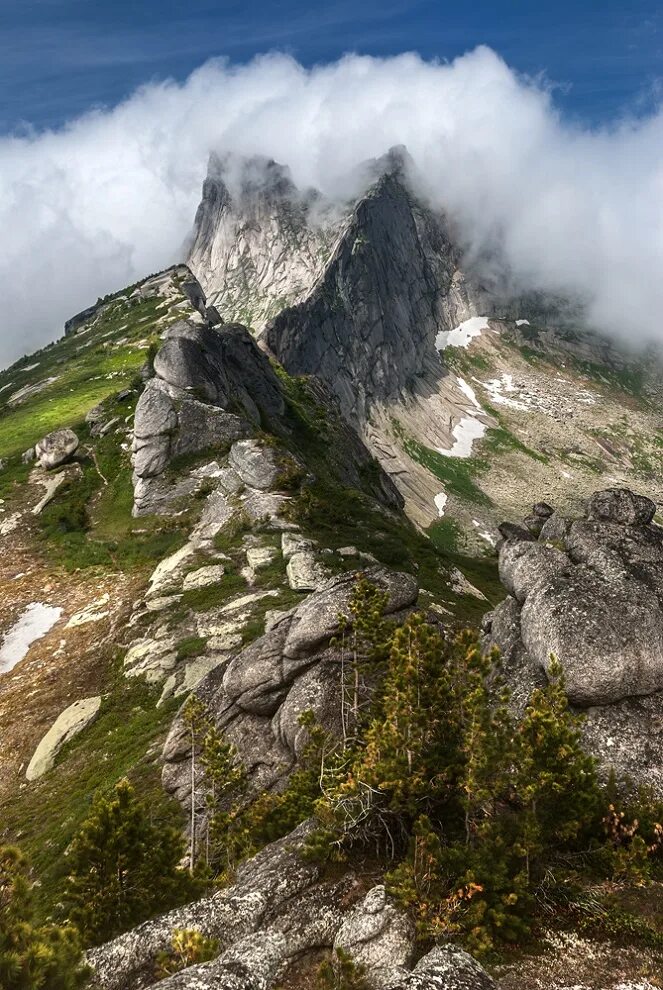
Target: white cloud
point(112, 196)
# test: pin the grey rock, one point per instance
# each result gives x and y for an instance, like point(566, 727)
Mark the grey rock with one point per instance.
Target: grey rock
point(511, 531)
point(68, 724)
point(523, 565)
point(28, 455)
point(607, 636)
point(446, 967)
point(56, 448)
point(597, 606)
point(555, 528)
point(203, 577)
point(266, 687)
point(257, 465)
point(306, 572)
point(378, 937)
point(368, 326)
point(620, 505)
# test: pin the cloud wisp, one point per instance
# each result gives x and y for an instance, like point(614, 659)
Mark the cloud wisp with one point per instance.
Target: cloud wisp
point(112, 196)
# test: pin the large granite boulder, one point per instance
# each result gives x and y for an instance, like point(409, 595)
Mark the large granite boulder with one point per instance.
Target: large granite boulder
point(589, 592)
point(56, 448)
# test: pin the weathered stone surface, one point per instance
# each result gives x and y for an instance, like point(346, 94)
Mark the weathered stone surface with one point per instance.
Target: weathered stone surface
point(152, 659)
point(268, 685)
point(379, 937)
point(203, 577)
point(446, 967)
point(56, 448)
point(594, 600)
point(258, 466)
point(259, 557)
point(266, 890)
point(523, 565)
point(620, 505)
point(68, 724)
point(306, 572)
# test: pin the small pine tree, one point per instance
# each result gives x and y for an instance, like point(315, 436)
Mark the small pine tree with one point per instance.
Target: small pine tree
point(32, 957)
point(555, 780)
point(123, 867)
point(341, 972)
point(187, 948)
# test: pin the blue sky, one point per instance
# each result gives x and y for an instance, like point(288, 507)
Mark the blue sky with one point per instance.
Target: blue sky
point(58, 58)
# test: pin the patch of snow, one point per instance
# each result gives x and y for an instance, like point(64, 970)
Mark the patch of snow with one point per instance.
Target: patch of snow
point(468, 392)
point(522, 323)
point(8, 385)
point(461, 335)
point(440, 502)
point(30, 367)
point(35, 622)
point(496, 388)
point(464, 433)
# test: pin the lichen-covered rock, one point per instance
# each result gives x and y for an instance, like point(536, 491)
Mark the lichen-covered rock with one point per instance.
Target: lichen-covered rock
point(258, 465)
point(68, 724)
point(56, 448)
point(306, 572)
point(619, 505)
point(203, 577)
point(523, 565)
point(379, 937)
point(590, 593)
point(446, 967)
point(267, 889)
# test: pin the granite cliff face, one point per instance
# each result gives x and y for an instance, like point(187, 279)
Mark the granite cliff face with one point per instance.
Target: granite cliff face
point(466, 395)
point(261, 246)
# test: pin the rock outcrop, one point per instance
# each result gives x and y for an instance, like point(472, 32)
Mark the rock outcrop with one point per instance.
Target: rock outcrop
point(394, 282)
point(276, 911)
point(68, 724)
point(589, 592)
point(259, 243)
point(211, 387)
point(258, 696)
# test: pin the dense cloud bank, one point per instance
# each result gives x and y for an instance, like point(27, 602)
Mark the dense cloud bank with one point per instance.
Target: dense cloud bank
point(112, 196)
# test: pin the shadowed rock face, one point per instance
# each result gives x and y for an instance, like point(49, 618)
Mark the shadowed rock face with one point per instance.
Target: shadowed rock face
point(212, 386)
point(590, 593)
point(368, 327)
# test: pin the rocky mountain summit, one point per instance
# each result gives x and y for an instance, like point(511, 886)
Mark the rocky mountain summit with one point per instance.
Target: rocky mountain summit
point(250, 512)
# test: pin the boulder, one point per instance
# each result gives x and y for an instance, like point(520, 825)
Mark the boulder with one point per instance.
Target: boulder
point(622, 506)
point(203, 577)
point(379, 937)
point(305, 572)
point(257, 465)
point(56, 448)
point(446, 967)
point(594, 601)
point(607, 636)
point(68, 724)
point(524, 565)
